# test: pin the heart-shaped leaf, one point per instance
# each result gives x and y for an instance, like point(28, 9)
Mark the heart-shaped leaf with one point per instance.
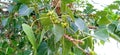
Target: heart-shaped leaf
point(58, 31)
point(102, 34)
point(24, 10)
point(81, 25)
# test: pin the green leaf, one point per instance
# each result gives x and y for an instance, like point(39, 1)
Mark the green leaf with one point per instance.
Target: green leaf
point(113, 6)
point(90, 42)
point(117, 2)
point(102, 42)
point(11, 8)
point(30, 35)
point(101, 13)
point(114, 36)
point(112, 16)
point(26, 52)
point(70, 13)
point(41, 37)
point(58, 31)
point(102, 34)
point(9, 50)
point(118, 27)
point(67, 47)
point(45, 21)
point(103, 21)
point(65, 8)
point(89, 9)
point(73, 26)
point(4, 21)
point(22, 1)
point(24, 10)
point(81, 25)
point(1, 45)
point(67, 1)
point(43, 49)
point(112, 27)
point(5, 44)
point(2, 53)
point(78, 51)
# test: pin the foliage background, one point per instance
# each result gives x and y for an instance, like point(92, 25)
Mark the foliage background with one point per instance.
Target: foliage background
point(47, 28)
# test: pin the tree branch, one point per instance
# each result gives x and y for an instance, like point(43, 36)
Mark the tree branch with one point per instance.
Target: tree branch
point(92, 27)
point(75, 42)
point(72, 39)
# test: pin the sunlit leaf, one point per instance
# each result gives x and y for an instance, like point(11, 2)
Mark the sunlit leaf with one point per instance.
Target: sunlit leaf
point(30, 35)
point(103, 21)
point(67, 1)
point(102, 34)
point(113, 6)
point(101, 13)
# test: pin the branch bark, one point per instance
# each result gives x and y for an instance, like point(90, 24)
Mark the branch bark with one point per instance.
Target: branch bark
point(75, 42)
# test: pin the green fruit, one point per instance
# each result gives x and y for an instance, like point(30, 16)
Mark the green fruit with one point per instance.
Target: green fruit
point(53, 19)
point(64, 24)
point(57, 21)
point(50, 13)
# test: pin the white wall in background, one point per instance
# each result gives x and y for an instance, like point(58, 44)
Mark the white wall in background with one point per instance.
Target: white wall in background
point(111, 47)
point(4, 0)
point(100, 4)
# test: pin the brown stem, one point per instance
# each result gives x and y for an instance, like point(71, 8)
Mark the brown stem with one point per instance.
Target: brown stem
point(72, 39)
point(92, 27)
point(75, 41)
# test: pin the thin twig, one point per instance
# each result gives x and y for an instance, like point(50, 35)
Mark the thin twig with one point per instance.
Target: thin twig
point(74, 41)
point(92, 27)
